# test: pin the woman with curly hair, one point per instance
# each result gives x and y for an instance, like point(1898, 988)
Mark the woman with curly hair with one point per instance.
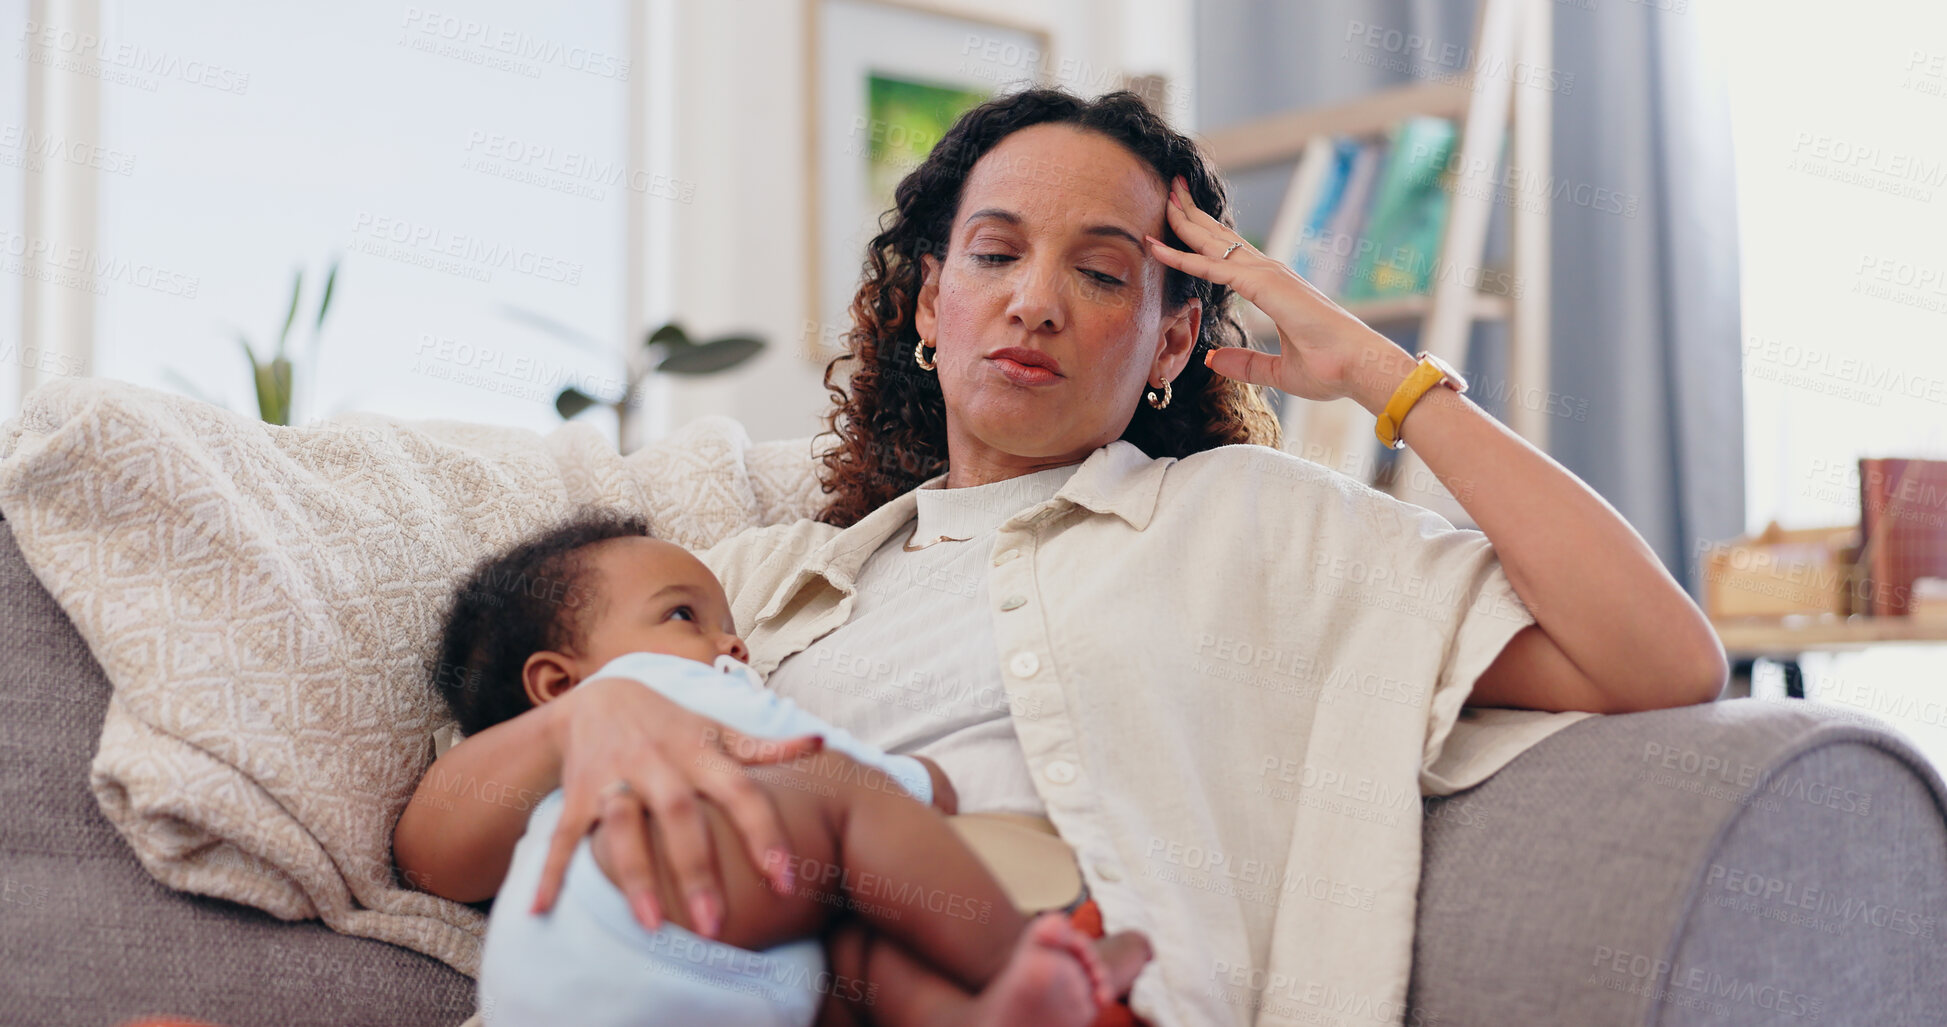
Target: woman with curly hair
point(1062, 557)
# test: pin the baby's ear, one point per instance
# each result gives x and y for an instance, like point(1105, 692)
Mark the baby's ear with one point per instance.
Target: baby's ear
point(547, 676)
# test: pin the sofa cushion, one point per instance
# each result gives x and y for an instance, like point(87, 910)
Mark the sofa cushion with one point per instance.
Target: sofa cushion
point(88, 937)
point(266, 602)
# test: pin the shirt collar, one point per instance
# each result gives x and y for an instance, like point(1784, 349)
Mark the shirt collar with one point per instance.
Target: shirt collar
point(976, 510)
point(1118, 479)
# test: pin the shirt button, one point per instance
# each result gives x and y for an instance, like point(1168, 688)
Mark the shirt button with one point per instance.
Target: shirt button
point(1024, 664)
point(1108, 872)
point(1060, 772)
point(1014, 602)
point(1004, 557)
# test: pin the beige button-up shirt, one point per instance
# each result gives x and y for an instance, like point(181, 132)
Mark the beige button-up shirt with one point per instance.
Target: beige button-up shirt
point(1233, 677)
point(912, 669)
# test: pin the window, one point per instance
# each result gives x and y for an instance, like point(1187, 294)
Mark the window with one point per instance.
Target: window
point(466, 161)
point(1842, 198)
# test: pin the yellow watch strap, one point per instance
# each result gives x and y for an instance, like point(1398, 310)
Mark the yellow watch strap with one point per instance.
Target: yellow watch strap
point(1422, 380)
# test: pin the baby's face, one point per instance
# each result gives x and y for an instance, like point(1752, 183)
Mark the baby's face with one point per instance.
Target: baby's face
point(654, 597)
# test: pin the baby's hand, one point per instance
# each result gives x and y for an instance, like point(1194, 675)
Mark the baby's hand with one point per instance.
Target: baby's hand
point(945, 799)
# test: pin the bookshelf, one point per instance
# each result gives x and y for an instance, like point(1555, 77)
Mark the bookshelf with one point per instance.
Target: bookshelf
point(1492, 113)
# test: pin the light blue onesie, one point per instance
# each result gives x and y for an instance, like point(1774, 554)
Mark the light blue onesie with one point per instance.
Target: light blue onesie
point(588, 962)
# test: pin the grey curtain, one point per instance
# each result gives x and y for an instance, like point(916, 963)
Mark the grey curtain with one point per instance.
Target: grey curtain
point(1645, 322)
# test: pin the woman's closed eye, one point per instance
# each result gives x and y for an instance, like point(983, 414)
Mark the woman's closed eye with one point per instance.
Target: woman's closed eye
point(1100, 277)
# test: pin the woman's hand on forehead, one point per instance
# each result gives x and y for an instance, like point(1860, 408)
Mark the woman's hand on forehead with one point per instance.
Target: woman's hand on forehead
point(1323, 353)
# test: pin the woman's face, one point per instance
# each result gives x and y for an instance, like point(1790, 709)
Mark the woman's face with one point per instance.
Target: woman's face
point(1046, 256)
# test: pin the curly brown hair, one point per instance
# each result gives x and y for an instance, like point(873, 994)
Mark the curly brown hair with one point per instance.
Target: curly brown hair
point(890, 420)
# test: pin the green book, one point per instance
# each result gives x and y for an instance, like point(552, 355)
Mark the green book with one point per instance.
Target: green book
point(1408, 215)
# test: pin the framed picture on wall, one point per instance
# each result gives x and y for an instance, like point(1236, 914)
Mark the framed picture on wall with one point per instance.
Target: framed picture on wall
point(887, 79)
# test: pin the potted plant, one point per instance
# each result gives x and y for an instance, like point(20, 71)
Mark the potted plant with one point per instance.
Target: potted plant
point(273, 376)
point(666, 350)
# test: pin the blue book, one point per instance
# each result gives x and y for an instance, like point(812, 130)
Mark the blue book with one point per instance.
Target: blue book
point(1408, 215)
point(1330, 191)
point(1337, 247)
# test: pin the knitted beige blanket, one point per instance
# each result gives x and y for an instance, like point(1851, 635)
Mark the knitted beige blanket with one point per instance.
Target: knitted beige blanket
point(264, 601)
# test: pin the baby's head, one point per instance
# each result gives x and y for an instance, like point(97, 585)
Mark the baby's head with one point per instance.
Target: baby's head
point(537, 620)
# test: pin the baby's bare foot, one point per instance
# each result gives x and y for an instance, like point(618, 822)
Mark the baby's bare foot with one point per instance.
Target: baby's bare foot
point(1058, 976)
point(1123, 956)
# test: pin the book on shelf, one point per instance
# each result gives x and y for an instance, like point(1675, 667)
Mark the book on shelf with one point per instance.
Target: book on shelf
point(1338, 246)
point(1377, 211)
point(1333, 172)
point(1903, 528)
point(1407, 215)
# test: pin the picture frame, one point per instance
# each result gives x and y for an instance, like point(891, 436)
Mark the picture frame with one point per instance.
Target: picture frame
point(884, 79)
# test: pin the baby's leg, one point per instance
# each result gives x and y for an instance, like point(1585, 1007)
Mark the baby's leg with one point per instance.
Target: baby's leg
point(901, 868)
point(860, 844)
point(1043, 983)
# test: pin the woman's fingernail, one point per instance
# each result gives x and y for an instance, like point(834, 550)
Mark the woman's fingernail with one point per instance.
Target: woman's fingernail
point(645, 912)
point(778, 862)
point(705, 914)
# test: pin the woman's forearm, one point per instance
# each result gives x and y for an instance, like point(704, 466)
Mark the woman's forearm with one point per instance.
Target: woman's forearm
point(456, 837)
point(1591, 582)
point(1614, 630)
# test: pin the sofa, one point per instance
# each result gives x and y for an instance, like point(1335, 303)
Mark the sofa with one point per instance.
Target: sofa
point(1742, 862)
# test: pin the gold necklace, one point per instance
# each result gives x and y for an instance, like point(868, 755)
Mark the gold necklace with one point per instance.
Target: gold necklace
point(910, 548)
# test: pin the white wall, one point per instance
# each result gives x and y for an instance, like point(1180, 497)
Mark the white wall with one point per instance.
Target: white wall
point(741, 134)
point(250, 139)
point(337, 115)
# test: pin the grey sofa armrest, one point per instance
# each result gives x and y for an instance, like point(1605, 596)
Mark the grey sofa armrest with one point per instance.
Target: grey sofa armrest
point(88, 937)
point(1742, 862)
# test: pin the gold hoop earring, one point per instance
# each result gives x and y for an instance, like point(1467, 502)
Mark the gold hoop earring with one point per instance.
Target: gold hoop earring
point(1150, 396)
point(919, 356)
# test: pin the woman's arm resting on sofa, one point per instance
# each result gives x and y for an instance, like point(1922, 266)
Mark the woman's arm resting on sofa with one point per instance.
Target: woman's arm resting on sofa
point(456, 837)
point(1613, 632)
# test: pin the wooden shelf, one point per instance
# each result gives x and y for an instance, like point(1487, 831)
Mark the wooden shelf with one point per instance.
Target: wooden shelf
point(1488, 108)
point(1281, 137)
point(1393, 310)
point(1753, 637)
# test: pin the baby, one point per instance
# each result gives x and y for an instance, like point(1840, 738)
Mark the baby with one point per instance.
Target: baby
point(597, 598)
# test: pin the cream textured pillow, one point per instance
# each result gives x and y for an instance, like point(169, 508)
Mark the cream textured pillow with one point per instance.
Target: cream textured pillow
point(264, 601)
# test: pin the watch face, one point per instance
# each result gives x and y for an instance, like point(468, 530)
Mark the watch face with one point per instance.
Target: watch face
point(1454, 380)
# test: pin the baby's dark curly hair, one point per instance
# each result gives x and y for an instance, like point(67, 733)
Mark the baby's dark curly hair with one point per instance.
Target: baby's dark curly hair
point(532, 598)
point(891, 422)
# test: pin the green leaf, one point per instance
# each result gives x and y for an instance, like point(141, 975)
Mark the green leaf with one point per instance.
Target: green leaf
point(713, 356)
point(297, 286)
point(670, 335)
point(280, 375)
point(266, 393)
point(331, 282)
point(572, 401)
